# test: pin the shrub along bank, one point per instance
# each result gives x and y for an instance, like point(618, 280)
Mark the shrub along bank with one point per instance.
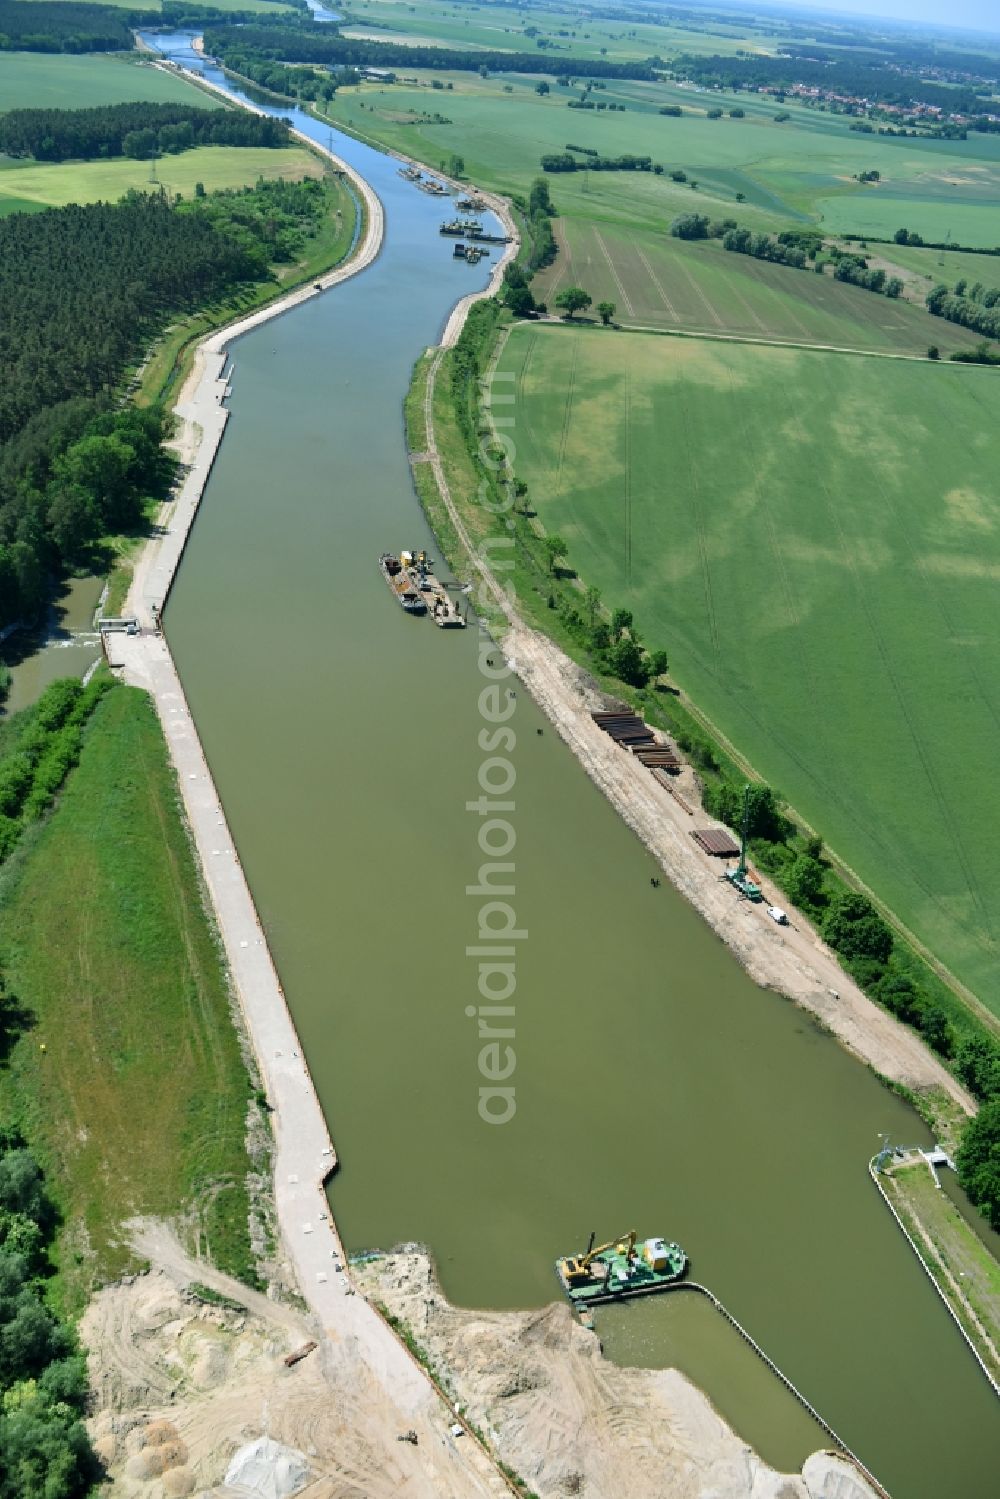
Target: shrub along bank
point(40, 752)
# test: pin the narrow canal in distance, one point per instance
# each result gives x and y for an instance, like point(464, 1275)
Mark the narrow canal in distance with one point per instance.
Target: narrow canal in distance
point(657, 1087)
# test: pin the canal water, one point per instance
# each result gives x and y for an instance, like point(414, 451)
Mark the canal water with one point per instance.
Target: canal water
point(63, 644)
point(657, 1088)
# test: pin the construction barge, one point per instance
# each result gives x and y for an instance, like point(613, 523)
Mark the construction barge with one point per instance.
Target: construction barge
point(472, 229)
point(620, 1270)
point(401, 584)
point(472, 253)
point(411, 579)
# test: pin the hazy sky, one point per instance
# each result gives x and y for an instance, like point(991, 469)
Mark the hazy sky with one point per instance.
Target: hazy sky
point(982, 15)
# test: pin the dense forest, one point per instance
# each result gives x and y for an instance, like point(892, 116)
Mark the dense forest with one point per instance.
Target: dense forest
point(321, 44)
point(132, 130)
point(62, 27)
point(83, 290)
point(879, 85)
point(43, 1376)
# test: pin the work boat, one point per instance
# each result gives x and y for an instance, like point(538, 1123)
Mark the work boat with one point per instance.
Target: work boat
point(419, 568)
point(398, 578)
point(620, 1269)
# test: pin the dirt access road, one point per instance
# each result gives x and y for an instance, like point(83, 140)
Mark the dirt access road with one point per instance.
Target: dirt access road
point(181, 1386)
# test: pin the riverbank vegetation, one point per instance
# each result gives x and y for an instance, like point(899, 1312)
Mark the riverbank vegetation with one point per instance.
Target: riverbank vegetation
point(122, 1066)
point(39, 750)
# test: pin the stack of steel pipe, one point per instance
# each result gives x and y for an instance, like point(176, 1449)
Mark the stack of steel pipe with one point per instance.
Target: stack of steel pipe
point(628, 730)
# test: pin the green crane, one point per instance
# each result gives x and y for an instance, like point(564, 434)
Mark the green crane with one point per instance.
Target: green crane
point(739, 877)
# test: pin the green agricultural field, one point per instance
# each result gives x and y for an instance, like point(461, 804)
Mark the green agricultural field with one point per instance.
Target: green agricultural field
point(37, 80)
point(129, 1081)
point(801, 170)
point(961, 215)
point(657, 281)
point(519, 29)
point(815, 539)
point(27, 186)
point(926, 268)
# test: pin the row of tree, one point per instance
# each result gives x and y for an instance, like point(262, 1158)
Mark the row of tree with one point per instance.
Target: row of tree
point(82, 292)
point(855, 270)
point(978, 1065)
point(42, 754)
point(764, 247)
point(63, 26)
point(847, 920)
point(309, 42)
point(43, 1375)
point(137, 130)
point(699, 225)
point(563, 161)
point(980, 315)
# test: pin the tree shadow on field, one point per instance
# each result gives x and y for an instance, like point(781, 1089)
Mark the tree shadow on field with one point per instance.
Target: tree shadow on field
point(15, 1019)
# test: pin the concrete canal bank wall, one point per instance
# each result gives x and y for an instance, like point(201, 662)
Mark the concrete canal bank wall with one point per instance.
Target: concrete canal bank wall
point(304, 1155)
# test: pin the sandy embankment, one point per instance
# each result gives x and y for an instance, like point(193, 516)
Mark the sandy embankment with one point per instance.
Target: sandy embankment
point(792, 960)
point(181, 1386)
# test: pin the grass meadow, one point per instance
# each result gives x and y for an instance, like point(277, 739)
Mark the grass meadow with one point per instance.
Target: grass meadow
point(137, 1103)
point(815, 540)
point(28, 185)
point(39, 80)
point(657, 281)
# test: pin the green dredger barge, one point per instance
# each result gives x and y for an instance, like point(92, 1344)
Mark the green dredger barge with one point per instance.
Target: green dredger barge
point(618, 1269)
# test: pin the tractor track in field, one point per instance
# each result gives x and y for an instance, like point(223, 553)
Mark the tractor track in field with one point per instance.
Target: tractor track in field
point(794, 611)
point(710, 310)
point(759, 279)
point(628, 482)
point(567, 411)
point(671, 309)
point(933, 592)
point(885, 657)
point(614, 272)
point(530, 341)
point(706, 571)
